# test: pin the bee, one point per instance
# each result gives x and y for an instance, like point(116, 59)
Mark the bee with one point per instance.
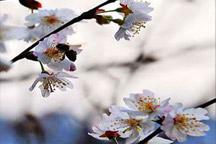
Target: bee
point(70, 51)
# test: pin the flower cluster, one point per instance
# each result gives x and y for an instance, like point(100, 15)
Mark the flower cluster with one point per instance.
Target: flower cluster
point(58, 56)
point(50, 29)
point(135, 15)
point(144, 114)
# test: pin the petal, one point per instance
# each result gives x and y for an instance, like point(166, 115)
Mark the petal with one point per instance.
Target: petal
point(130, 103)
point(35, 83)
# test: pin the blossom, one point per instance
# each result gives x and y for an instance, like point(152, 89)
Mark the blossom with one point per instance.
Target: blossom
point(147, 104)
point(45, 21)
point(132, 125)
point(135, 16)
point(51, 81)
point(182, 122)
point(49, 52)
point(102, 131)
point(4, 65)
point(9, 32)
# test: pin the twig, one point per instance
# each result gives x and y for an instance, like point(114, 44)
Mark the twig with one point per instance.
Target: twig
point(86, 15)
point(157, 131)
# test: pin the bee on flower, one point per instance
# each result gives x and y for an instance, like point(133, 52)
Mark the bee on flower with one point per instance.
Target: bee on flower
point(181, 122)
point(136, 14)
point(146, 103)
point(50, 81)
point(45, 21)
point(56, 53)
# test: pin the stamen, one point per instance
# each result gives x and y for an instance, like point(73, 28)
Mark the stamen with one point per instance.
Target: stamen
point(51, 20)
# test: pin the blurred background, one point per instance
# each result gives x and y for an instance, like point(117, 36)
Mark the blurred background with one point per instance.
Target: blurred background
point(174, 56)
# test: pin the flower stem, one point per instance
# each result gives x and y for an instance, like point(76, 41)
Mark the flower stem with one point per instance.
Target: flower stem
point(108, 11)
point(115, 141)
point(42, 67)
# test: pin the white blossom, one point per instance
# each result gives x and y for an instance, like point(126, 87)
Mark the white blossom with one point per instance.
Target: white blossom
point(44, 21)
point(132, 125)
point(182, 122)
point(51, 81)
point(135, 16)
point(103, 131)
point(48, 53)
point(4, 65)
point(147, 104)
point(8, 32)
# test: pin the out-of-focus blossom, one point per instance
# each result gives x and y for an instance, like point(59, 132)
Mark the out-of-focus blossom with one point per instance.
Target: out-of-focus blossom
point(9, 32)
point(147, 104)
point(51, 81)
point(4, 65)
point(49, 52)
point(182, 122)
point(44, 21)
point(135, 16)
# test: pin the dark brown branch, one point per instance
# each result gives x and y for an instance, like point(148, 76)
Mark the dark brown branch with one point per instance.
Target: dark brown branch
point(204, 105)
point(86, 15)
point(158, 131)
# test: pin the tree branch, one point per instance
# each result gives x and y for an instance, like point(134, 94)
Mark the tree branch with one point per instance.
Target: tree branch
point(158, 131)
point(85, 15)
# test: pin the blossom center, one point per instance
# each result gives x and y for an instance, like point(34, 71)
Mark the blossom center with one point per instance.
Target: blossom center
point(181, 120)
point(147, 104)
point(54, 53)
point(133, 122)
point(51, 20)
point(186, 123)
point(50, 83)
